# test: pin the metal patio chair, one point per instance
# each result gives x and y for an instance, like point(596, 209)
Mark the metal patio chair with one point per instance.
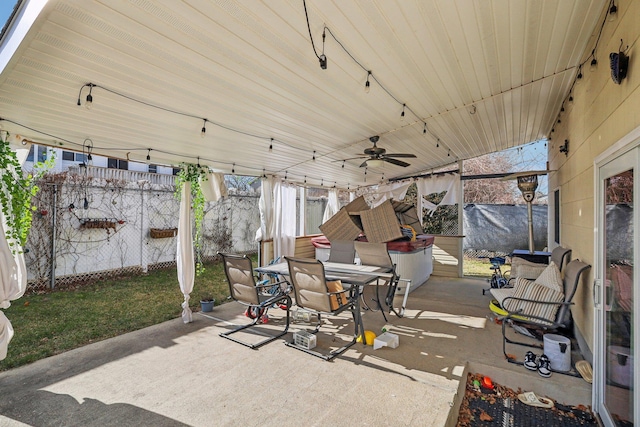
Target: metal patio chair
point(376, 254)
point(315, 294)
point(257, 297)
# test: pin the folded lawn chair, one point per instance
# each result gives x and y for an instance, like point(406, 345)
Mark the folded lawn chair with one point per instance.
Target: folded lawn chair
point(313, 293)
point(543, 305)
point(257, 297)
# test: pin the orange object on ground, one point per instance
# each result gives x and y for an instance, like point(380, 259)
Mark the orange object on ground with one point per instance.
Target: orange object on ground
point(487, 383)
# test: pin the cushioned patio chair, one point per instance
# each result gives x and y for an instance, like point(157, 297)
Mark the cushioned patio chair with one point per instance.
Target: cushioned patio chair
point(314, 293)
point(543, 304)
point(531, 270)
point(342, 251)
point(257, 297)
point(376, 254)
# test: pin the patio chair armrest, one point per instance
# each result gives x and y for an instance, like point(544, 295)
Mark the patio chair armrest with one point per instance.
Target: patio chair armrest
point(559, 303)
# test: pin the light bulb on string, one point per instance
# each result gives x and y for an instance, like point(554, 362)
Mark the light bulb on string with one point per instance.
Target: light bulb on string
point(367, 84)
point(271, 145)
point(148, 155)
point(233, 169)
point(613, 12)
point(203, 132)
point(89, 101)
point(424, 130)
point(314, 155)
point(402, 114)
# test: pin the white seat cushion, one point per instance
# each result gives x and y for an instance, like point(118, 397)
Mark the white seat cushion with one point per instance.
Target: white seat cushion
point(501, 293)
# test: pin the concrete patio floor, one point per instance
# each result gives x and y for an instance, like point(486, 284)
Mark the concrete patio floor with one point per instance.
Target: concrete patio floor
point(176, 374)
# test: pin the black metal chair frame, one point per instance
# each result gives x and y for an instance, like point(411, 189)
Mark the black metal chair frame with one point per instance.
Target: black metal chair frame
point(561, 323)
point(352, 304)
point(262, 294)
point(393, 285)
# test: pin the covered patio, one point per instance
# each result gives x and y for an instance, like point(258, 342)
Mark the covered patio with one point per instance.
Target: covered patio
point(174, 374)
point(296, 93)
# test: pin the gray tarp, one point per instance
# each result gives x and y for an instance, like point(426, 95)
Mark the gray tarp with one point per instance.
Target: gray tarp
point(503, 228)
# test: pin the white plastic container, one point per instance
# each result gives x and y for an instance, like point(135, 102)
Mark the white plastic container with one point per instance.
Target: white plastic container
point(304, 339)
point(558, 350)
point(386, 339)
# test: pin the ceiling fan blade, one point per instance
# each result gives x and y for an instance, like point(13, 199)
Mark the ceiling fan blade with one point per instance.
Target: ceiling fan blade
point(352, 158)
point(395, 162)
point(400, 155)
point(364, 164)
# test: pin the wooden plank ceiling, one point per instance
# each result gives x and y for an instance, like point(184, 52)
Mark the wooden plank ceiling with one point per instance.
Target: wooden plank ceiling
point(472, 77)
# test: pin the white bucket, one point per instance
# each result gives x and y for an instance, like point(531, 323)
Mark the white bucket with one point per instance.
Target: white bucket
point(558, 350)
point(620, 365)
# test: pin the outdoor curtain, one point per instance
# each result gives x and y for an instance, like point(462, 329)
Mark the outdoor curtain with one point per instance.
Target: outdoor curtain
point(437, 184)
point(13, 272)
point(284, 230)
point(213, 187)
point(266, 210)
point(333, 205)
point(184, 257)
point(393, 190)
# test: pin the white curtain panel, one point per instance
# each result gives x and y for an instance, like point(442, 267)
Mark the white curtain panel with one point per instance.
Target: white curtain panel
point(284, 235)
point(213, 186)
point(393, 190)
point(333, 206)
point(185, 259)
point(13, 273)
point(265, 232)
point(437, 184)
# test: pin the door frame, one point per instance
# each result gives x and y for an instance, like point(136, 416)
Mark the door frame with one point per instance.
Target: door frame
point(625, 145)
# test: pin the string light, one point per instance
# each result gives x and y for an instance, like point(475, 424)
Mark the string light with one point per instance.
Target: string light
point(314, 155)
point(367, 85)
point(271, 145)
point(203, 132)
point(594, 62)
point(438, 143)
point(343, 163)
point(199, 163)
point(264, 175)
point(402, 114)
point(424, 130)
point(149, 155)
point(89, 99)
point(613, 11)
point(233, 169)
point(285, 174)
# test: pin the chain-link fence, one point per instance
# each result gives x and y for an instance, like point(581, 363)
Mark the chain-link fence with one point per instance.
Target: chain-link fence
point(101, 223)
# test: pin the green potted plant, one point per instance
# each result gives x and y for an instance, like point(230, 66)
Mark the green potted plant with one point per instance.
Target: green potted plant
point(206, 303)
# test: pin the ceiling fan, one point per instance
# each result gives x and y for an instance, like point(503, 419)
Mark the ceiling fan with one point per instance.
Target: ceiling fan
point(376, 156)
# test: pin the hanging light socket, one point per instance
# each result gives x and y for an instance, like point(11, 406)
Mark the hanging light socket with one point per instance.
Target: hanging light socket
point(203, 132)
point(613, 12)
point(367, 84)
point(323, 61)
point(594, 65)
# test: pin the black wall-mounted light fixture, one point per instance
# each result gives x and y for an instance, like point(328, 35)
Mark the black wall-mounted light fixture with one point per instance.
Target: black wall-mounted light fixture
point(564, 148)
point(619, 63)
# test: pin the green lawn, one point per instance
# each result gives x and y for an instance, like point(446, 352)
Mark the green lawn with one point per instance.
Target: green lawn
point(59, 321)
